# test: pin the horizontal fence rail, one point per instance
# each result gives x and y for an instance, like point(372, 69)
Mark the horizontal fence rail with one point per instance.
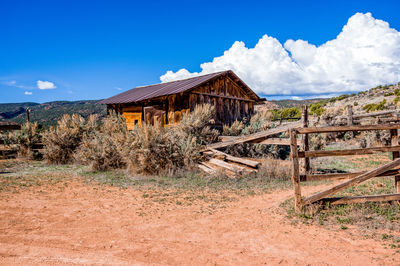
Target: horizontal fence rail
point(10, 127)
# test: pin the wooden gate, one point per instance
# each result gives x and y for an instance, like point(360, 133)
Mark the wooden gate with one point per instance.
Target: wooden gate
point(390, 169)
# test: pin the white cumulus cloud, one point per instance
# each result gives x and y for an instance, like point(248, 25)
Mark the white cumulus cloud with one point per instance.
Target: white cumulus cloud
point(28, 93)
point(366, 53)
point(45, 85)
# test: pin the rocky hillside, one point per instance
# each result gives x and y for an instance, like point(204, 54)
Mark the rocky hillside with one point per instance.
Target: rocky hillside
point(376, 99)
point(47, 114)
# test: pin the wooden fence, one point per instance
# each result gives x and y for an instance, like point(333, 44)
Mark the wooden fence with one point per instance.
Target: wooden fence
point(390, 169)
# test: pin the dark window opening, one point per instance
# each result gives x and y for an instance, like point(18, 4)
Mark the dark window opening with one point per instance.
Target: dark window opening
point(136, 121)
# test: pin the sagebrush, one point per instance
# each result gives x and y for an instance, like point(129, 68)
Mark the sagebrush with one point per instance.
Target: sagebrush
point(101, 148)
point(62, 140)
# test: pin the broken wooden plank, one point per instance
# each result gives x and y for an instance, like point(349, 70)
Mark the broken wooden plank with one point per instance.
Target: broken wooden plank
point(226, 138)
point(352, 182)
point(226, 165)
point(307, 154)
point(228, 157)
point(361, 199)
point(206, 169)
point(231, 167)
point(312, 130)
point(218, 169)
point(255, 136)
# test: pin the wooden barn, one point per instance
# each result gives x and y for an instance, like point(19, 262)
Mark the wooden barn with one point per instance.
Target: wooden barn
point(165, 103)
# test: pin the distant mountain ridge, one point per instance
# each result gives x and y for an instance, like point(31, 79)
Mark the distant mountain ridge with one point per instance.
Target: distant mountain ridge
point(49, 113)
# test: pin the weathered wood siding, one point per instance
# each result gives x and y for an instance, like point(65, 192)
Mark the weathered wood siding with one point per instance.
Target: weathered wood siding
point(230, 101)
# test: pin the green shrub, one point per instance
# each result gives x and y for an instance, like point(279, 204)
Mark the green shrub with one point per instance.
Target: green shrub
point(332, 100)
point(396, 100)
point(355, 103)
point(317, 109)
point(339, 98)
point(374, 106)
point(291, 112)
point(389, 94)
point(397, 92)
point(342, 97)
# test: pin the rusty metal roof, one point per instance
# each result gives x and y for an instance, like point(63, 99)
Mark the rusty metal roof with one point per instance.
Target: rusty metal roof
point(168, 88)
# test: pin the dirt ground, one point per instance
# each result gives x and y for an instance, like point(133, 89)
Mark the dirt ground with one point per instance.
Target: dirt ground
point(76, 223)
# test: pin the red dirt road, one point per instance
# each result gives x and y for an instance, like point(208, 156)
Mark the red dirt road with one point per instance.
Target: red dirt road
point(86, 224)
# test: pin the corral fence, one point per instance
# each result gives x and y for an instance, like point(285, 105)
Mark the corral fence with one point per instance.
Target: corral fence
point(304, 154)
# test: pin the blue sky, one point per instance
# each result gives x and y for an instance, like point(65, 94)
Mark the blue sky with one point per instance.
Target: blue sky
point(96, 49)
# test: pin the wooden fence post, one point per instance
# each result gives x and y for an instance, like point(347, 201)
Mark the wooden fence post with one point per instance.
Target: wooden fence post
point(295, 169)
point(28, 117)
point(305, 146)
point(395, 141)
point(350, 121)
point(349, 115)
